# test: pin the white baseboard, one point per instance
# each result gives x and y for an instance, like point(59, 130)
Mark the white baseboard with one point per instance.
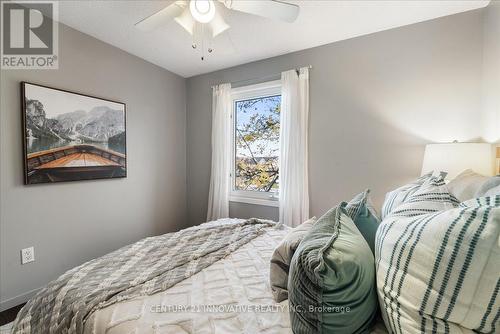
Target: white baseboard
point(14, 301)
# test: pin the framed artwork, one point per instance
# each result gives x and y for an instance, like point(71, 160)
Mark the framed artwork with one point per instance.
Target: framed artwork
point(70, 136)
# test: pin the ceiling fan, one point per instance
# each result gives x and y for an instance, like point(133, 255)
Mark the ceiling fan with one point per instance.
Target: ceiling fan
point(202, 17)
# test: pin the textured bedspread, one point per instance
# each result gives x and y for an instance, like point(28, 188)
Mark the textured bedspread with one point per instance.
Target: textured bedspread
point(238, 285)
point(147, 267)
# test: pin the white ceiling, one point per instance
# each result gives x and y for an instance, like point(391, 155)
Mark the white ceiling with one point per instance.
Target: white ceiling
point(250, 38)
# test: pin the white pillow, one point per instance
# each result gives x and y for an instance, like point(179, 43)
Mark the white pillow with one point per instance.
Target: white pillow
point(282, 257)
point(493, 191)
point(490, 187)
point(396, 197)
point(465, 186)
point(432, 196)
point(438, 272)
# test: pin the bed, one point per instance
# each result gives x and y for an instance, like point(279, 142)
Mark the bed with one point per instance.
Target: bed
point(240, 280)
point(214, 277)
point(232, 295)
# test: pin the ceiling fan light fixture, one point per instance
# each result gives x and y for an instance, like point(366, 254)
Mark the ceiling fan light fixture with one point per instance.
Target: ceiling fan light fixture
point(203, 11)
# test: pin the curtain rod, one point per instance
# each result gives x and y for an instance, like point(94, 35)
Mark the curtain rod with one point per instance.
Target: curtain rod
point(266, 77)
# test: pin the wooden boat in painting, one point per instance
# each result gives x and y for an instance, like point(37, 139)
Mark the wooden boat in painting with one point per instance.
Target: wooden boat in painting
point(76, 162)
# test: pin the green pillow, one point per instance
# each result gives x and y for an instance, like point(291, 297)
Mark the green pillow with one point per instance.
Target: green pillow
point(365, 217)
point(332, 278)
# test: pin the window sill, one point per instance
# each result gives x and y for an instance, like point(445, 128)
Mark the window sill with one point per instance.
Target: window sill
point(255, 201)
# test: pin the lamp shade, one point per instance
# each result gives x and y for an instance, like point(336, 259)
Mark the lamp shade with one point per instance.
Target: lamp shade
point(497, 171)
point(456, 157)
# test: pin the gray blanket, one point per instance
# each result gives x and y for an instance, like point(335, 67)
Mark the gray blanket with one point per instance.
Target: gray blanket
point(143, 268)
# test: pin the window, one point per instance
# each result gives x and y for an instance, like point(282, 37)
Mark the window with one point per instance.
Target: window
point(256, 129)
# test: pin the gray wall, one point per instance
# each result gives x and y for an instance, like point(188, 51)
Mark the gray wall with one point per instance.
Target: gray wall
point(376, 101)
point(491, 73)
point(70, 223)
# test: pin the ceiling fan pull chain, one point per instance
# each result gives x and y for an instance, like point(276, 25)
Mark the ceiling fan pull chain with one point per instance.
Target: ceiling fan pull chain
point(209, 39)
point(202, 42)
point(194, 43)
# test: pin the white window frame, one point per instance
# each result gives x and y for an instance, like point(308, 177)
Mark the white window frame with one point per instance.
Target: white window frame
point(271, 88)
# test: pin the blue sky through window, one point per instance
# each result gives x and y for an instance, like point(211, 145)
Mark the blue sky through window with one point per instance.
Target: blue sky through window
point(260, 106)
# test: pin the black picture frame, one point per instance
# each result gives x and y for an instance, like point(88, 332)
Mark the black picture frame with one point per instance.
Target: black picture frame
point(76, 145)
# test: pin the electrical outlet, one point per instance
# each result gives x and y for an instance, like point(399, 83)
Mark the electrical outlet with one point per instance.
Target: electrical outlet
point(27, 255)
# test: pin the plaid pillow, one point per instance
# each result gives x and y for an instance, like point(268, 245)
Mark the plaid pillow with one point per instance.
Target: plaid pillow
point(394, 198)
point(438, 272)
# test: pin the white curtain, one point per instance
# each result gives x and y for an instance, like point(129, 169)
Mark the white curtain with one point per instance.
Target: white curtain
point(218, 197)
point(294, 182)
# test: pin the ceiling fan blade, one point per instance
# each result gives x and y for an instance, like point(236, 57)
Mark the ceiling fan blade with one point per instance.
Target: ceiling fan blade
point(161, 17)
point(218, 25)
point(272, 9)
point(186, 21)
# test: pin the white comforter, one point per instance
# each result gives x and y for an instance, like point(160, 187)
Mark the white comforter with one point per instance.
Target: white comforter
point(238, 284)
point(241, 280)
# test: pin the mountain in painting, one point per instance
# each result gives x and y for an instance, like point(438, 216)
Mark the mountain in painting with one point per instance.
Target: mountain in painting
point(96, 125)
point(38, 126)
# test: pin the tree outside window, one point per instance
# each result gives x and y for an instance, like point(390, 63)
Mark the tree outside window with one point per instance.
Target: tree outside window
point(257, 128)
